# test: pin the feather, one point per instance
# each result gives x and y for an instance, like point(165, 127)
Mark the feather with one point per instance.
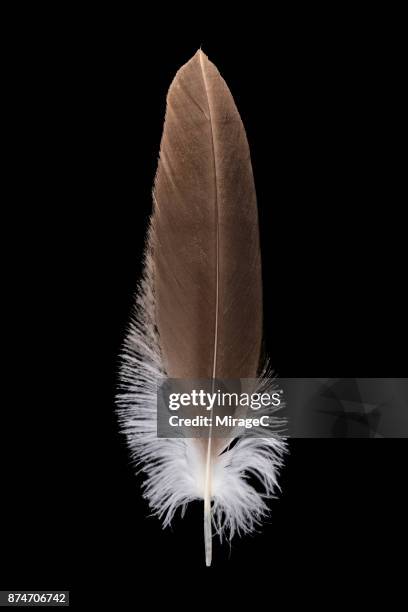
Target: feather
point(198, 309)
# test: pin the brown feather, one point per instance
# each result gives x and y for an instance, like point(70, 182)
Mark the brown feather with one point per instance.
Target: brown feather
point(205, 239)
point(202, 293)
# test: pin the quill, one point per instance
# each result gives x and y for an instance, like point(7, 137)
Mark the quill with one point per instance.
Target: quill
point(198, 309)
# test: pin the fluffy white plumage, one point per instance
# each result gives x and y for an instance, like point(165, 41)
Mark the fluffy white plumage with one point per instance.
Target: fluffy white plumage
point(174, 469)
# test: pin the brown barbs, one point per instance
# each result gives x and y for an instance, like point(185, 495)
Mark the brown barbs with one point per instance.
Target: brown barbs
point(205, 238)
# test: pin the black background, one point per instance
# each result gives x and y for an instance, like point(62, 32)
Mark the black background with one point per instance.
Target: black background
point(322, 106)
